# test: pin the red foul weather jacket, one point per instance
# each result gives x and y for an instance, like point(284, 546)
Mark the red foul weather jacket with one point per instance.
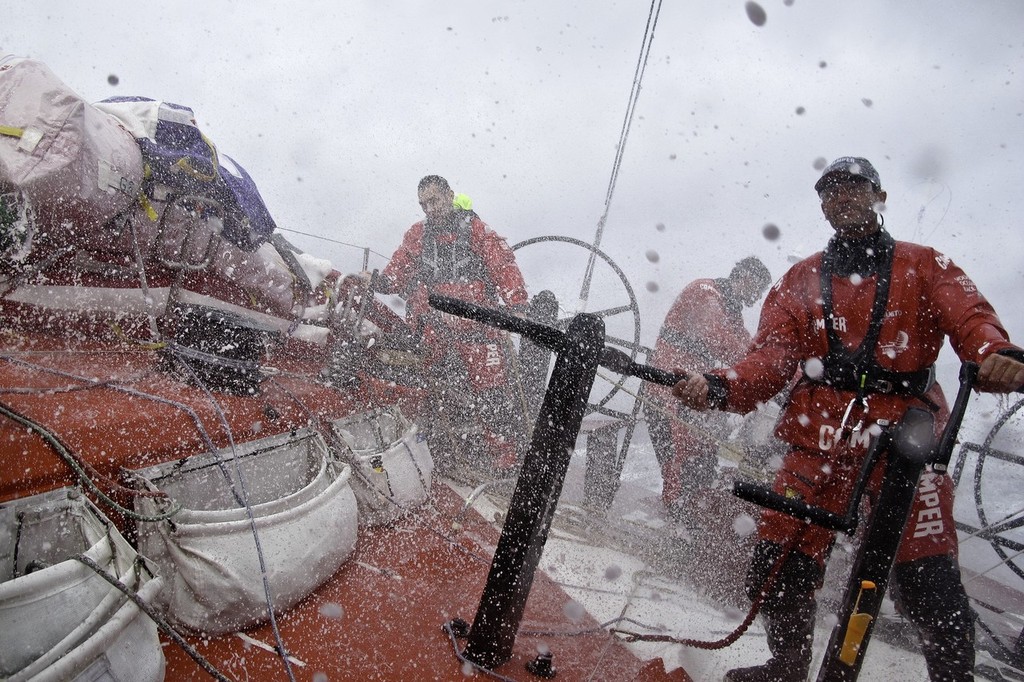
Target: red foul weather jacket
point(469, 261)
point(700, 330)
point(930, 298)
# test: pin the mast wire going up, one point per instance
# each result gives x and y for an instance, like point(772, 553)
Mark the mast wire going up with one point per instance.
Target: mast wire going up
point(634, 95)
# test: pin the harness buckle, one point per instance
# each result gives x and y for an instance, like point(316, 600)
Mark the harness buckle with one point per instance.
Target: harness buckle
point(882, 385)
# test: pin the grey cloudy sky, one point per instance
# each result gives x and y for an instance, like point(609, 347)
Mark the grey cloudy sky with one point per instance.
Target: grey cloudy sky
point(337, 109)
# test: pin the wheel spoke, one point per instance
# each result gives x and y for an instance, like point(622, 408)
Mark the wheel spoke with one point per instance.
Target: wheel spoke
point(991, 532)
point(609, 312)
point(1006, 542)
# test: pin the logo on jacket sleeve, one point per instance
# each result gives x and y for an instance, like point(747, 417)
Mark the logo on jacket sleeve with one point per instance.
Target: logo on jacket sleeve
point(967, 284)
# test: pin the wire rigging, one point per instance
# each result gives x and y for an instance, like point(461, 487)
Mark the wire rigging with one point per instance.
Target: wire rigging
point(634, 95)
point(334, 241)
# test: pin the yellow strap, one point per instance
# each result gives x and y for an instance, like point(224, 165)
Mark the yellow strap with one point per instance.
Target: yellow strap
point(184, 164)
point(148, 207)
point(11, 131)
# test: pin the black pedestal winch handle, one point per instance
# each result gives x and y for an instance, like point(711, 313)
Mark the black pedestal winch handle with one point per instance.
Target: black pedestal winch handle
point(769, 499)
point(617, 361)
point(968, 376)
point(551, 338)
point(540, 334)
point(579, 350)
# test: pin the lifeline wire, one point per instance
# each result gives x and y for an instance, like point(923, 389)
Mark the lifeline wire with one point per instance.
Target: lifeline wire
point(334, 241)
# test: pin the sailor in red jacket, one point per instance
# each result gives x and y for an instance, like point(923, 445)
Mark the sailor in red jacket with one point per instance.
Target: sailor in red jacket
point(452, 252)
point(702, 330)
point(864, 320)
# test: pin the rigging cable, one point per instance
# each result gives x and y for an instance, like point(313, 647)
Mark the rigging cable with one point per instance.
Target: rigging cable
point(634, 95)
point(80, 469)
point(94, 383)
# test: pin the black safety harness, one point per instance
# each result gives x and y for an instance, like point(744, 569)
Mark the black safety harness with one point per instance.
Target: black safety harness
point(858, 370)
point(455, 261)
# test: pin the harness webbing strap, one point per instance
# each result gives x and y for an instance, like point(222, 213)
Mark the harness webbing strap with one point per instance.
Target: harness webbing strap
point(859, 370)
point(863, 358)
point(442, 263)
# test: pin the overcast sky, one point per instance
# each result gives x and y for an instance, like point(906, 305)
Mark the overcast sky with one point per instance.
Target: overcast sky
point(337, 110)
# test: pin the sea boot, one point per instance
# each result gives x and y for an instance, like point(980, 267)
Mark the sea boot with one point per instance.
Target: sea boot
point(930, 593)
point(788, 611)
point(790, 635)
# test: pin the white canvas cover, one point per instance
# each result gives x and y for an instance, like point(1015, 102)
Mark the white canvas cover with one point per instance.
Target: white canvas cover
point(59, 619)
point(74, 162)
point(392, 463)
point(262, 272)
point(305, 515)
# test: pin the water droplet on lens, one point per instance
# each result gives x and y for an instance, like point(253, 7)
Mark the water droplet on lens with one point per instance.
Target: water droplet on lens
point(756, 14)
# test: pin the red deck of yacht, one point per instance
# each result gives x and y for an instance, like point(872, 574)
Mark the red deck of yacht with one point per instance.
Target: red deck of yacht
point(380, 616)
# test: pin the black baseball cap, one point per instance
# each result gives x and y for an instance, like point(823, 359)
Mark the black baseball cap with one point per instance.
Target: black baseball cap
point(849, 165)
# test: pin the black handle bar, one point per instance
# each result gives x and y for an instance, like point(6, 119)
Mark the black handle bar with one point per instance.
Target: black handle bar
point(550, 338)
point(769, 499)
point(541, 334)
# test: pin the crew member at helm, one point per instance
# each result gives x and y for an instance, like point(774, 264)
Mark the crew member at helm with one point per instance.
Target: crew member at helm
point(865, 320)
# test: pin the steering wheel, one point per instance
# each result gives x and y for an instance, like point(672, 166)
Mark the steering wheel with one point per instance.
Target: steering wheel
point(999, 455)
point(622, 321)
